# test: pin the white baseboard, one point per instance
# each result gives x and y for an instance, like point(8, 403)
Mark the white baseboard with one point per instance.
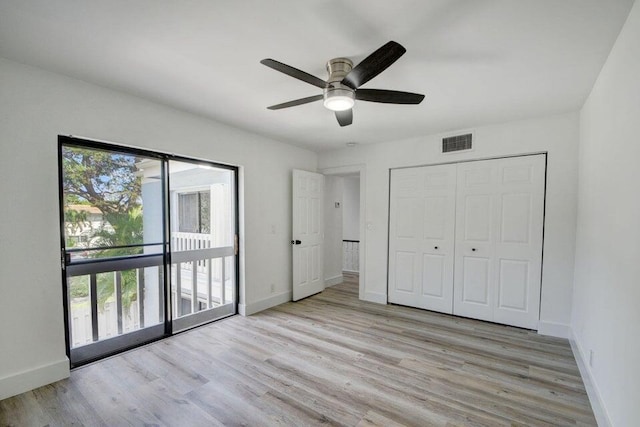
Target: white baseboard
point(351, 271)
point(263, 304)
point(554, 329)
point(375, 297)
point(332, 281)
point(33, 378)
point(599, 410)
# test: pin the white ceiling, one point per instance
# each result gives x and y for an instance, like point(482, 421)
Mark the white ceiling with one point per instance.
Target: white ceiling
point(477, 61)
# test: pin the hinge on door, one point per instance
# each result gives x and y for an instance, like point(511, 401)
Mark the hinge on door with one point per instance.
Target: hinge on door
point(235, 244)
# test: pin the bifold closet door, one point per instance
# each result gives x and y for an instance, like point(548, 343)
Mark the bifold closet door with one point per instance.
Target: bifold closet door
point(421, 237)
point(499, 222)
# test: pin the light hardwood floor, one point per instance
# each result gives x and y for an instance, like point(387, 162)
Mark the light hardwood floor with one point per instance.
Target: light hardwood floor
point(329, 359)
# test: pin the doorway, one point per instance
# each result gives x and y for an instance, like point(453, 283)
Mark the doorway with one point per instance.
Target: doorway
point(344, 226)
point(148, 243)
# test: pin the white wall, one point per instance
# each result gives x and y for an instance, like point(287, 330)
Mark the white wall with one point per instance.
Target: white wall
point(351, 208)
point(557, 135)
point(606, 317)
point(333, 192)
point(36, 106)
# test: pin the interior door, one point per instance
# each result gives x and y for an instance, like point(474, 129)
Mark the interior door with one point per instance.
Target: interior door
point(308, 234)
point(421, 237)
point(499, 224)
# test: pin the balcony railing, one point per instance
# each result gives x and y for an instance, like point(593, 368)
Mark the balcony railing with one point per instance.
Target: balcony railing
point(209, 285)
point(181, 242)
point(351, 255)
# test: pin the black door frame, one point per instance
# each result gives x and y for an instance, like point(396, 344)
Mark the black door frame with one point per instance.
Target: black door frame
point(166, 327)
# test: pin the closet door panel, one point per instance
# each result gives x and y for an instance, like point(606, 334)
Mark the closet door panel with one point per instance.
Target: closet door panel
point(520, 208)
point(499, 240)
point(421, 237)
point(475, 247)
point(433, 275)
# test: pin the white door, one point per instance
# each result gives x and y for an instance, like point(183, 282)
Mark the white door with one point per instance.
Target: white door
point(499, 222)
point(308, 234)
point(421, 237)
point(518, 261)
point(475, 248)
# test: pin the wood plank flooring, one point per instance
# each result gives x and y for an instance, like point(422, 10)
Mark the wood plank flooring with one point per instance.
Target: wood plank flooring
point(327, 360)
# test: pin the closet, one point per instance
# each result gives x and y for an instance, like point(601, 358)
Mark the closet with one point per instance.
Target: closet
point(466, 238)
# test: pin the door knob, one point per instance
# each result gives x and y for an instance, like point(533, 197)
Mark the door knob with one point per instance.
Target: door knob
point(473, 249)
point(295, 242)
point(435, 247)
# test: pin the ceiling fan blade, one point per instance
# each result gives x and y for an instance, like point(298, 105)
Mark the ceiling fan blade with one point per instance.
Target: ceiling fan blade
point(296, 102)
point(345, 118)
point(388, 96)
point(373, 64)
point(295, 73)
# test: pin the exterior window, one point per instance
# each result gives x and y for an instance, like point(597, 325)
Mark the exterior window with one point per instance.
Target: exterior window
point(193, 212)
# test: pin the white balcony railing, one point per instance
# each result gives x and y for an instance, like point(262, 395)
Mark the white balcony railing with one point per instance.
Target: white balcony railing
point(209, 285)
point(181, 242)
point(351, 256)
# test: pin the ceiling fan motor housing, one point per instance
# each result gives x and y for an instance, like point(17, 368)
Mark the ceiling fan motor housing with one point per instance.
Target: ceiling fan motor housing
point(338, 97)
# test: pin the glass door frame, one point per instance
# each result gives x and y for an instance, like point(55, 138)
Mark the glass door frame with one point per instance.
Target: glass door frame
point(193, 320)
point(164, 329)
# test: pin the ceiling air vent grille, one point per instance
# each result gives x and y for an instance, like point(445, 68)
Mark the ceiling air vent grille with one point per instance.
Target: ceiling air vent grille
point(456, 143)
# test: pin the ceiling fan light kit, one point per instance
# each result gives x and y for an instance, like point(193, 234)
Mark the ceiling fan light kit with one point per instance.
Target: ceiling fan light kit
point(338, 97)
point(342, 88)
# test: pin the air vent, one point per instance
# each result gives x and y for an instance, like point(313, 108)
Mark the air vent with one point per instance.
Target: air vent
point(456, 143)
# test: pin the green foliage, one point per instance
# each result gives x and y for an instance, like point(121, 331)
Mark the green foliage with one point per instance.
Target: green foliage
point(110, 182)
point(79, 287)
point(75, 220)
point(72, 199)
point(127, 230)
point(103, 179)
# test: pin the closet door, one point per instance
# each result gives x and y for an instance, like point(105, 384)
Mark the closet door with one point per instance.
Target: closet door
point(421, 237)
point(499, 221)
point(518, 261)
point(475, 247)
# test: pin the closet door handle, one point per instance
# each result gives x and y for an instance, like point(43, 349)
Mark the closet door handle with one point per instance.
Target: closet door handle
point(435, 247)
point(473, 249)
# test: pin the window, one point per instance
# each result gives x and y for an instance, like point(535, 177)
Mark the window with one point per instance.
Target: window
point(193, 212)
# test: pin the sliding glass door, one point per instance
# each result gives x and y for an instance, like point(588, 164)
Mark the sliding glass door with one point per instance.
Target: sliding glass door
point(203, 249)
point(148, 245)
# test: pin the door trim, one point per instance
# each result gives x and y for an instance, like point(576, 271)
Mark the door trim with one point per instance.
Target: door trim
point(479, 159)
point(360, 169)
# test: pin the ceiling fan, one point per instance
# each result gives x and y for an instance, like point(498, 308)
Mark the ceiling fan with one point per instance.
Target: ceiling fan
point(343, 85)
